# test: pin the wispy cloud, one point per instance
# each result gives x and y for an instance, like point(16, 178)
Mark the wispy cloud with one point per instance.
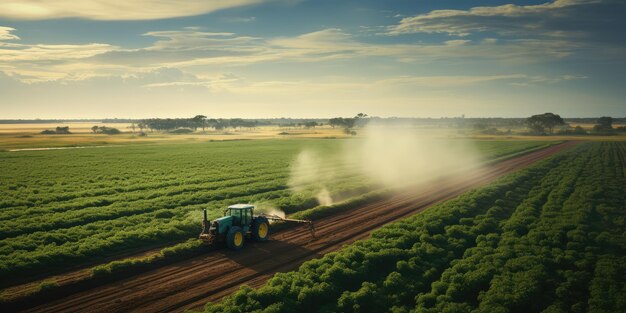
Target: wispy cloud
point(44, 62)
point(239, 19)
point(6, 33)
point(14, 53)
point(559, 18)
point(197, 48)
point(114, 10)
point(192, 48)
point(237, 85)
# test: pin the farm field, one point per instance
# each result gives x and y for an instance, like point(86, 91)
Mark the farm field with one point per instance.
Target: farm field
point(206, 277)
point(64, 208)
point(545, 239)
point(27, 136)
point(312, 156)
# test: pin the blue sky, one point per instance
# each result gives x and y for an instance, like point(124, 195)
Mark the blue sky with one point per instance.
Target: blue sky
point(272, 58)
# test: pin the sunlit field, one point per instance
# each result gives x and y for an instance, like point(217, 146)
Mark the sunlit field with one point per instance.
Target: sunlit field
point(62, 207)
point(28, 136)
point(312, 156)
point(19, 136)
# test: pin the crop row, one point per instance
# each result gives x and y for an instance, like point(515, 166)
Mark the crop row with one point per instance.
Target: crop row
point(66, 207)
point(548, 238)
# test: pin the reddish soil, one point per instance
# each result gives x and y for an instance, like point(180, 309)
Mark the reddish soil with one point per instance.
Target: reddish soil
point(190, 284)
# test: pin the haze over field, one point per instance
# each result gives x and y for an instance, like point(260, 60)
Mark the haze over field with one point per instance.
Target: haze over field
point(391, 156)
point(272, 58)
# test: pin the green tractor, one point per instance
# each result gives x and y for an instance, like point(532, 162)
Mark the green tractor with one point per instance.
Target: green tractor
point(239, 223)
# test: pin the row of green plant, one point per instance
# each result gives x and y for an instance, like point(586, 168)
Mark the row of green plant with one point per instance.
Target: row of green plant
point(66, 207)
point(548, 238)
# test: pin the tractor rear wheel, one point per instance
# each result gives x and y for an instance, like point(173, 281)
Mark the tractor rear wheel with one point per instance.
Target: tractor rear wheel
point(260, 229)
point(235, 238)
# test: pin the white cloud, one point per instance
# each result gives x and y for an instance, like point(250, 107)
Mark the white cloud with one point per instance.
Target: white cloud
point(457, 42)
point(38, 52)
point(198, 40)
point(192, 49)
point(239, 19)
point(574, 77)
point(38, 62)
point(5, 33)
point(197, 48)
point(236, 85)
point(220, 82)
point(448, 81)
point(504, 19)
point(114, 9)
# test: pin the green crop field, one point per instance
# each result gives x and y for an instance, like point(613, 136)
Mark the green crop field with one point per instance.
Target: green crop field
point(549, 238)
point(63, 208)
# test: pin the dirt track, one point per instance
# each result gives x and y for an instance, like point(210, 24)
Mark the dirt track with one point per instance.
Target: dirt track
point(191, 283)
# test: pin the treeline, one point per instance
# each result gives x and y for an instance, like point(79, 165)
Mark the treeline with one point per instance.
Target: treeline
point(105, 130)
point(60, 130)
point(196, 122)
point(547, 124)
point(543, 124)
point(546, 239)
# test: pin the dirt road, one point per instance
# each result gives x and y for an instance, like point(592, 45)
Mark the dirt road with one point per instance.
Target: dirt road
point(191, 283)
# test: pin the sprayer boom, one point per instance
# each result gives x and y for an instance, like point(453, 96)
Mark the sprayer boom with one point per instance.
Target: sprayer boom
point(282, 219)
point(278, 218)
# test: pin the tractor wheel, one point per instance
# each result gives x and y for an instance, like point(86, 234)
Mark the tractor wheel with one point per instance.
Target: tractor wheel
point(235, 238)
point(260, 229)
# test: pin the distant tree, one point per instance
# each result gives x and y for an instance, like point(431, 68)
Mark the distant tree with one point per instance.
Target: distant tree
point(349, 122)
point(94, 129)
point(540, 122)
point(480, 126)
point(310, 124)
point(361, 119)
point(58, 131)
point(236, 122)
point(110, 130)
point(132, 127)
point(198, 121)
point(535, 125)
point(211, 123)
point(336, 122)
point(106, 130)
point(221, 124)
point(63, 130)
point(604, 124)
point(141, 126)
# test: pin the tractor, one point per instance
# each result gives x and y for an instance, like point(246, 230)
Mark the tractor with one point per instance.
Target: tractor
point(239, 223)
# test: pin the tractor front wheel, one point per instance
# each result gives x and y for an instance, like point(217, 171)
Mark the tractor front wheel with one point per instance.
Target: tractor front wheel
point(235, 238)
point(260, 229)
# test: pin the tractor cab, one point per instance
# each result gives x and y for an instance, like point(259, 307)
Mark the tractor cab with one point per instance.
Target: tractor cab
point(241, 215)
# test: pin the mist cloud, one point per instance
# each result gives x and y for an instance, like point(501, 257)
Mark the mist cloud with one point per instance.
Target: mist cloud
point(398, 156)
point(392, 157)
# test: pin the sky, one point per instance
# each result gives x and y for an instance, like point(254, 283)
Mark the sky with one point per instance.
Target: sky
point(317, 58)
